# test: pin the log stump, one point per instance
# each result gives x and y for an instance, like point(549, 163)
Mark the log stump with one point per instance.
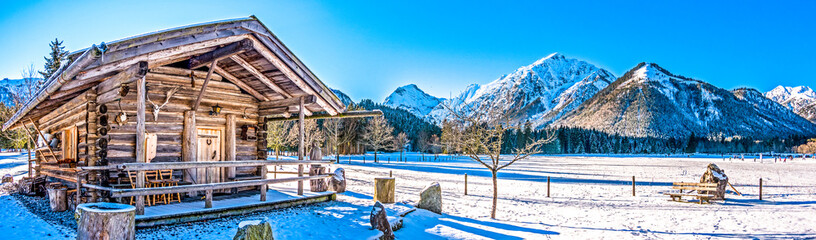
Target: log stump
point(317, 185)
point(103, 220)
point(384, 190)
point(57, 197)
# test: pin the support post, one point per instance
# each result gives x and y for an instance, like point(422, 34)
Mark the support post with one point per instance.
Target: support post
point(548, 186)
point(230, 140)
point(633, 186)
point(79, 188)
point(189, 146)
point(301, 133)
point(140, 140)
point(390, 173)
point(208, 199)
point(760, 189)
point(263, 187)
point(28, 146)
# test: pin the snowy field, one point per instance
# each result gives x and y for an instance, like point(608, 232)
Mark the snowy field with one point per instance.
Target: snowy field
point(591, 198)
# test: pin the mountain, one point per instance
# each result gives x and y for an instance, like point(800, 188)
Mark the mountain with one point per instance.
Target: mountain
point(345, 99)
point(649, 101)
point(412, 99)
point(801, 100)
point(539, 93)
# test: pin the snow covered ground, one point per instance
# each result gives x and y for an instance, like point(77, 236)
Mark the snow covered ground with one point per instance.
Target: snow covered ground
point(591, 198)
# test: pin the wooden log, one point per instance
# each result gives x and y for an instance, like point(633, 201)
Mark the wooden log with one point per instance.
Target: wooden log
point(106, 221)
point(465, 184)
point(384, 190)
point(349, 114)
point(285, 102)
point(141, 154)
point(260, 76)
point(57, 197)
point(317, 185)
point(301, 150)
point(204, 87)
point(199, 187)
point(189, 144)
point(191, 165)
point(241, 84)
point(633, 186)
point(208, 198)
point(181, 72)
point(230, 139)
point(220, 53)
point(264, 186)
point(760, 189)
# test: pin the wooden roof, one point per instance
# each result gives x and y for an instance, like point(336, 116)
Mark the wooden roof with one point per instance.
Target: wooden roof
point(265, 67)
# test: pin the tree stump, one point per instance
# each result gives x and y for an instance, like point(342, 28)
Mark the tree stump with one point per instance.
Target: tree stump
point(57, 197)
point(317, 185)
point(337, 183)
point(105, 220)
point(7, 178)
point(32, 186)
point(384, 190)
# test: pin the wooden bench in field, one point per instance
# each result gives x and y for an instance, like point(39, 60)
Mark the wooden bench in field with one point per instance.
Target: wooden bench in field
point(694, 191)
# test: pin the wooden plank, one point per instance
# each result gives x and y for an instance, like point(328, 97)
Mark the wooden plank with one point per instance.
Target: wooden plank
point(349, 114)
point(280, 65)
point(204, 87)
point(240, 84)
point(191, 165)
point(288, 102)
point(220, 53)
point(204, 187)
point(261, 77)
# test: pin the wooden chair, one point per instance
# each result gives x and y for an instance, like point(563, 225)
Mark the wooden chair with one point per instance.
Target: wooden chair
point(132, 178)
point(153, 179)
point(167, 181)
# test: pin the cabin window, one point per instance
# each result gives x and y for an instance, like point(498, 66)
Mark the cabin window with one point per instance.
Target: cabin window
point(69, 143)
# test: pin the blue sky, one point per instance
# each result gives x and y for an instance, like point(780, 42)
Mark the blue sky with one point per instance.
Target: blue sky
point(367, 49)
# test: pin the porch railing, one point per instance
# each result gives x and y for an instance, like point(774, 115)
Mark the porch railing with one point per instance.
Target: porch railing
point(206, 187)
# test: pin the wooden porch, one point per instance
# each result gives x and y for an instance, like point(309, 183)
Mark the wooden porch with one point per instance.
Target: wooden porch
point(278, 196)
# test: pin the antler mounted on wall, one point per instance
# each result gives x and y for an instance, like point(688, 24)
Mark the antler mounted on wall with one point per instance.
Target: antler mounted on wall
point(156, 107)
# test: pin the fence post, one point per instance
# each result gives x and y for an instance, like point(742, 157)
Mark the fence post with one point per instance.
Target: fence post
point(760, 189)
point(390, 173)
point(633, 186)
point(548, 186)
point(465, 184)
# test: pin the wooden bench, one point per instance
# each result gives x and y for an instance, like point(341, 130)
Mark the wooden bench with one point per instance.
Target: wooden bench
point(695, 189)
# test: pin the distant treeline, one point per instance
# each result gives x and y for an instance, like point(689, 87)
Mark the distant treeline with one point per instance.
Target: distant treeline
point(575, 140)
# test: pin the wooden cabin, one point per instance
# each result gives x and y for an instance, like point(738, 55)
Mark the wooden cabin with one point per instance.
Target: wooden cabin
point(193, 100)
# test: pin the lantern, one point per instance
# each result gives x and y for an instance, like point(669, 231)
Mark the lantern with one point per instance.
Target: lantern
point(215, 110)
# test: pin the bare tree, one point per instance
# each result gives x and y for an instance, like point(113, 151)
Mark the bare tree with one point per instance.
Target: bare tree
point(480, 137)
point(399, 143)
point(276, 137)
point(311, 134)
point(378, 135)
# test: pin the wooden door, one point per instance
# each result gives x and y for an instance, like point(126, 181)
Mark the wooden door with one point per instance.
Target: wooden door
point(209, 150)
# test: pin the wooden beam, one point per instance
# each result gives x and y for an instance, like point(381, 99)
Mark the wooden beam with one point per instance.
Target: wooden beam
point(230, 140)
point(240, 84)
point(199, 187)
point(309, 99)
point(265, 80)
point(220, 53)
point(349, 114)
point(301, 150)
point(193, 165)
point(189, 145)
point(141, 154)
point(283, 67)
point(129, 75)
point(183, 72)
point(204, 86)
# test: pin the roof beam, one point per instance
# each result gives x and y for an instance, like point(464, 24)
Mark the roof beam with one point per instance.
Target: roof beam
point(278, 63)
point(220, 53)
point(265, 80)
point(240, 84)
point(348, 114)
point(309, 99)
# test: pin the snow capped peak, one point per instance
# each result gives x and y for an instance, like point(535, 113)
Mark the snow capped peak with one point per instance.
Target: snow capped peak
point(800, 99)
point(539, 92)
point(412, 99)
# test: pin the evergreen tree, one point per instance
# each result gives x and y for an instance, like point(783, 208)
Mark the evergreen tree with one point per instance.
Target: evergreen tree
point(54, 59)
